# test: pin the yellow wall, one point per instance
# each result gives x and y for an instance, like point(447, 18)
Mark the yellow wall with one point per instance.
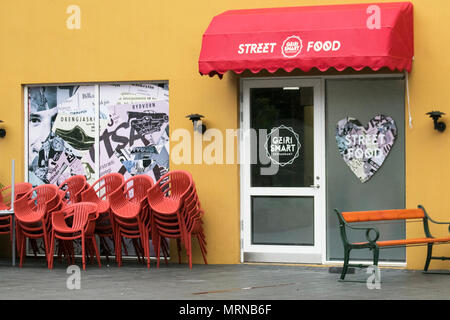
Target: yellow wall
point(141, 40)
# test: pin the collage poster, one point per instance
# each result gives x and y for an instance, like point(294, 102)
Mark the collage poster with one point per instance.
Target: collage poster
point(364, 149)
point(133, 131)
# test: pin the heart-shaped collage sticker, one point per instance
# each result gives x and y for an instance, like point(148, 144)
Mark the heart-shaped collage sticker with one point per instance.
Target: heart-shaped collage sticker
point(364, 149)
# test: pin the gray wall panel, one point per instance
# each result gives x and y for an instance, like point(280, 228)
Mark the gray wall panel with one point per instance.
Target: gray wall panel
point(363, 99)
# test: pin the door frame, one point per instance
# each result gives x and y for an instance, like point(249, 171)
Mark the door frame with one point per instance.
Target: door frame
point(322, 78)
point(284, 253)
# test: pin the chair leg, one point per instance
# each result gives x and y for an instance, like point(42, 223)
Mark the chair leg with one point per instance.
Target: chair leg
point(136, 249)
point(165, 251)
point(71, 251)
point(202, 249)
point(144, 244)
point(179, 250)
point(429, 254)
point(46, 243)
point(189, 251)
point(142, 248)
point(91, 252)
point(83, 251)
point(18, 239)
point(97, 252)
point(346, 260)
point(105, 247)
point(118, 248)
point(158, 250)
point(52, 248)
point(122, 240)
point(59, 251)
point(22, 251)
point(146, 249)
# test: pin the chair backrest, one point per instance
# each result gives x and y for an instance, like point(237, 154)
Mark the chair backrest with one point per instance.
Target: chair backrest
point(379, 215)
point(43, 194)
point(21, 189)
point(41, 199)
point(73, 186)
point(192, 202)
point(175, 184)
point(136, 187)
point(107, 184)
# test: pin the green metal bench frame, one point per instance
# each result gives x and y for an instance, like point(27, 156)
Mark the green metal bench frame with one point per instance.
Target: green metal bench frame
point(371, 243)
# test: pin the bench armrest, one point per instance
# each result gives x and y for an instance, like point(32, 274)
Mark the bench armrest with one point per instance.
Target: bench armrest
point(344, 224)
point(433, 221)
point(437, 222)
point(368, 230)
point(440, 222)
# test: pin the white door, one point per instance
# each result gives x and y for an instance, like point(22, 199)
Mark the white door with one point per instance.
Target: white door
point(282, 170)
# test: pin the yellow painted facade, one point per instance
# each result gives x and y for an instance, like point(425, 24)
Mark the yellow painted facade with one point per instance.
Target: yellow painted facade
point(143, 40)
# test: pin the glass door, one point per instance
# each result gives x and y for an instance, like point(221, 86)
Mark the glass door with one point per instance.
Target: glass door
point(282, 171)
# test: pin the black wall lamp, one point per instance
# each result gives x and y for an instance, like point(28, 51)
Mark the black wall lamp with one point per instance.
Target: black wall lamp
point(195, 117)
point(2, 131)
point(435, 115)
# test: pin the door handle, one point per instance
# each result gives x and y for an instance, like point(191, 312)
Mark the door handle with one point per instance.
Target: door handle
point(316, 186)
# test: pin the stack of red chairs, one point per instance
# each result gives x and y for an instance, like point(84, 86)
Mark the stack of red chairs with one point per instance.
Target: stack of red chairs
point(20, 189)
point(176, 213)
point(82, 217)
point(99, 193)
point(131, 215)
point(33, 212)
point(111, 207)
point(70, 192)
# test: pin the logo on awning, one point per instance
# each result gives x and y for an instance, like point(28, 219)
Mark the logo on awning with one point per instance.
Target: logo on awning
point(291, 47)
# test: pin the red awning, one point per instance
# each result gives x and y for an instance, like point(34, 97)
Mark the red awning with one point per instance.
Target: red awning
point(337, 36)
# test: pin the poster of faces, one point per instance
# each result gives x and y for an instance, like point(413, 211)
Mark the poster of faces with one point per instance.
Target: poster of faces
point(61, 133)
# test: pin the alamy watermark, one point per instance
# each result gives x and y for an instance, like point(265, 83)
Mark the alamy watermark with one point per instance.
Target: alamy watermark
point(374, 20)
point(374, 280)
point(270, 150)
point(73, 282)
point(73, 21)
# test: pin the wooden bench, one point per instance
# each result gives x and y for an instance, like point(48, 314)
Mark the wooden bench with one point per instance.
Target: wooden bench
point(372, 233)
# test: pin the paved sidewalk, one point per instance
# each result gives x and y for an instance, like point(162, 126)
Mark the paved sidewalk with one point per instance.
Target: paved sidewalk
point(210, 282)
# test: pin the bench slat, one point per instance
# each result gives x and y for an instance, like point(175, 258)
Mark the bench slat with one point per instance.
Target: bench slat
point(378, 215)
point(403, 242)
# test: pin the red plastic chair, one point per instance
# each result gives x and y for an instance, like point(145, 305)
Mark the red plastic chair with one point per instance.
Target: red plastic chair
point(20, 189)
point(32, 212)
point(82, 216)
point(99, 193)
point(176, 212)
point(131, 218)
